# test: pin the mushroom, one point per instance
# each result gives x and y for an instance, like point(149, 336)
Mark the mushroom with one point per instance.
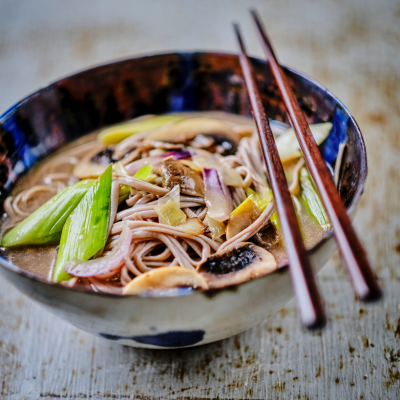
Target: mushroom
point(236, 265)
point(267, 237)
point(104, 157)
point(202, 133)
point(175, 173)
point(165, 278)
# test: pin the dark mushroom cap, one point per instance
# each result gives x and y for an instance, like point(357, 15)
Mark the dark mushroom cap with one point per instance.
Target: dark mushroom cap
point(236, 265)
point(175, 173)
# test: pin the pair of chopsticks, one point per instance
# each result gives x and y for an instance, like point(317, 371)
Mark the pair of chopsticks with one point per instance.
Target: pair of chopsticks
point(362, 277)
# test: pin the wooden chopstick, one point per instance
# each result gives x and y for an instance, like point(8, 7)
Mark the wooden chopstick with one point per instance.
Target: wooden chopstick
point(362, 277)
point(308, 299)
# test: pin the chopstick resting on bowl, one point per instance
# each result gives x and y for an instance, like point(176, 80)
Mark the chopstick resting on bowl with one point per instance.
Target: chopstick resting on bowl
point(362, 277)
point(308, 299)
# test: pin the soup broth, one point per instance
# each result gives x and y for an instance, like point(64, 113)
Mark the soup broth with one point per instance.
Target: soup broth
point(182, 193)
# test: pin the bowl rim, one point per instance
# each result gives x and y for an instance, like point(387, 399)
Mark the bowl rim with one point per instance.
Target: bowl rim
point(363, 172)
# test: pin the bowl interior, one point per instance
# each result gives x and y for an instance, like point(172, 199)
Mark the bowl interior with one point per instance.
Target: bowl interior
point(116, 92)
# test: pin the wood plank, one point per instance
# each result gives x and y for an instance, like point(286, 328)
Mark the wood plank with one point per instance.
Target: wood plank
point(351, 47)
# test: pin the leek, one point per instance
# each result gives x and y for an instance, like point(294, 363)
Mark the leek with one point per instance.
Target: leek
point(170, 213)
point(261, 200)
point(44, 225)
point(312, 200)
point(288, 146)
point(118, 133)
point(144, 172)
point(85, 231)
point(124, 190)
point(242, 217)
point(217, 228)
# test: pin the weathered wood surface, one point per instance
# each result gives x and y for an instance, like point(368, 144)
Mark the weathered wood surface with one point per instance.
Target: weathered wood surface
point(353, 47)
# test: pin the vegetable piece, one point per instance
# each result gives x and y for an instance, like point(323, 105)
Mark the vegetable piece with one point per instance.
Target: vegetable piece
point(85, 231)
point(312, 200)
point(175, 173)
point(124, 190)
point(193, 226)
point(170, 214)
point(135, 166)
point(217, 195)
point(144, 172)
point(106, 264)
point(217, 228)
point(236, 265)
point(165, 278)
point(261, 200)
point(288, 146)
point(204, 158)
point(118, 133)
point(173, 195)
point(44, 225)
point(230, 176)
point(242, 217)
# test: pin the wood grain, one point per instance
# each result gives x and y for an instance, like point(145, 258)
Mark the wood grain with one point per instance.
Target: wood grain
point(352, 47)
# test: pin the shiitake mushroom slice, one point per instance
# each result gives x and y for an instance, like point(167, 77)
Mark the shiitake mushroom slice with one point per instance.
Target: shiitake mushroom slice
point(236, 265)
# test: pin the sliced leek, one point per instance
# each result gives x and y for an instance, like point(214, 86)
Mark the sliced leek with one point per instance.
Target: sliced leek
point(118, 133)
point(311, 199)
point(44, 225)
point(170, 214)
point(85, 231)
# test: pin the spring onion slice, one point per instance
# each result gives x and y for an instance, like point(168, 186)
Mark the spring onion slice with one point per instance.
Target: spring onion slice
point(124, 190)
point(170, 213)
point(144, 172)
point(242, 216)
point(44, 225)
point(173, 195)
point(288, 146)
point(263, 199)
point(85, 231)
point(311, 199)
point(118, 133)
point(217, 228)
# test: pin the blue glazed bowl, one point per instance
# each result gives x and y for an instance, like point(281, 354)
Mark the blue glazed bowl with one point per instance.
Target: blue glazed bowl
point(74, 106)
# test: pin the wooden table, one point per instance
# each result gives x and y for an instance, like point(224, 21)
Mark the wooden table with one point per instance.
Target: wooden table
point(353, 47)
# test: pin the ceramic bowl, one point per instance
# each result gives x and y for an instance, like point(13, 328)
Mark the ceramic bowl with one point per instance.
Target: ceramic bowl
point(74, 106)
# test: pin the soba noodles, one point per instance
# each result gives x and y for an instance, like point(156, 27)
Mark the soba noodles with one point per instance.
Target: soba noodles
point(161, 202)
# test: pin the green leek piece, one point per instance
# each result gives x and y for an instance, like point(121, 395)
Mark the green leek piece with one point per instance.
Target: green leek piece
point(144, 172)
point(124, 190)
point(274, 219)
point(311, 199)
point(242, 216)
point(44, 225)
point(217, 228)
point(85, 231)
point(288, 146)
point(170, 214)
point(118, 133)
point(261, 200)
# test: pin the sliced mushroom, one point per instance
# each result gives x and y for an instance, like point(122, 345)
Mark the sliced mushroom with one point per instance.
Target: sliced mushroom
point(205, 132)
point(175, 173)
point(236, 265)
point(267, 237)
point(165, 278)
point(103, 157)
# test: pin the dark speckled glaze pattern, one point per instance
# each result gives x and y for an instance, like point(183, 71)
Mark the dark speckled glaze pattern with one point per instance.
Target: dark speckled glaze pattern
point(113, 93)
